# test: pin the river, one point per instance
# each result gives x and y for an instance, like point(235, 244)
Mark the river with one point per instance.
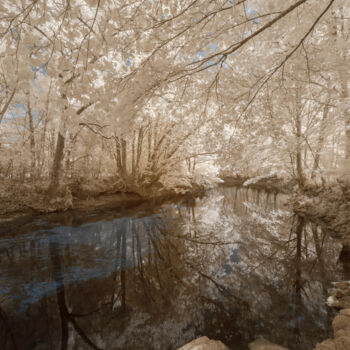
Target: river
point(233, 265)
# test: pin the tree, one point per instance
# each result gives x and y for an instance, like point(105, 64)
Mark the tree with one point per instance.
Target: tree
point(123, 58)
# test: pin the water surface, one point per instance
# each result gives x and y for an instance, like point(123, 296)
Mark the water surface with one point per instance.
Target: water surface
point(233, 266)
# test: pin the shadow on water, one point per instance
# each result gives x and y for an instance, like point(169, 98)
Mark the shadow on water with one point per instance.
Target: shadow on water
point(234, 265)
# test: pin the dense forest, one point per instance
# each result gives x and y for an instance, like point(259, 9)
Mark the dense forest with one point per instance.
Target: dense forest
point(142, 96)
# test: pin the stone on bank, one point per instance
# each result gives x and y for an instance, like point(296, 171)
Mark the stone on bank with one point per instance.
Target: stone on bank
point(204, 343)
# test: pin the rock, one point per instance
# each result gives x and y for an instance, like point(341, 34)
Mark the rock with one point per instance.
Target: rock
point(340, 322)
point(345, 252)
point(340, 293)
point(345, 312)
point(343, 302)
point(263, 344)
point(340, 297)
point(328, 344)
point(341, 284)
point(342, 332)
point(343, 342)
point(204, 343)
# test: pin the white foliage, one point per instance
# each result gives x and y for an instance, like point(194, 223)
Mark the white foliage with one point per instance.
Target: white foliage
point(176, 181)
point(256, 179)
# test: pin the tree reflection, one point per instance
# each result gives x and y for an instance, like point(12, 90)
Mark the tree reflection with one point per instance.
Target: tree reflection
point(231, 266)
point(6, 335)
point(66, 317)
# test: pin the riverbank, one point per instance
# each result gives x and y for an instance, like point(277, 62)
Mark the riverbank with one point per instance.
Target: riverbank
point(339, 299)
point(266, 183)
point(329, 205)
point(22, 203)
point(23, 198)
point(204, 343)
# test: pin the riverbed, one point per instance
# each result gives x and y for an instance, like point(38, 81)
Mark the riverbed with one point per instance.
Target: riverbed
point(234, 265)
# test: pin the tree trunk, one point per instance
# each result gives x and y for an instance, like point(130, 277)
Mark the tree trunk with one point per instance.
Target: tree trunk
point(133, 156)
point(32, 142)
point(59, 151)
point(337, 33)
point(149, 142)
point(99, 170)
point(347, 135)
point(320, 141)
point(345, 91)
point(298, 275)
point(139, 150)
point(124, 158)
point(69, 148)
point(42, 151)
point(119, 156)
point(57, 165)
point(345, 101)
point(7, 104)
point(299, 164)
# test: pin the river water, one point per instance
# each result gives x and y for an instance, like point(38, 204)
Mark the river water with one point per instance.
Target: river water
point(233, 266)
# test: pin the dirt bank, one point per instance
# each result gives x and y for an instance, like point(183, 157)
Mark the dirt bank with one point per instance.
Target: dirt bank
point(328, 205)
point(23, 208)
point(18, 198)
point(25, 198)
point(270, 183)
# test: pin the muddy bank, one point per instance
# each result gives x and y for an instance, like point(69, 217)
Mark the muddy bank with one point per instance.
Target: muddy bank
point(272, 184)
point(21, 206)
point(18, 198)
point(88, 211)
point(327, 205)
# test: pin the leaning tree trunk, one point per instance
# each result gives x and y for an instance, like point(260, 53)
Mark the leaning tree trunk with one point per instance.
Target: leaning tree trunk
point(7, 104)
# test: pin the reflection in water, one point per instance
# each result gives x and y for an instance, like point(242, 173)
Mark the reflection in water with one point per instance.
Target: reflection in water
point(66, 317)
point(234, 265)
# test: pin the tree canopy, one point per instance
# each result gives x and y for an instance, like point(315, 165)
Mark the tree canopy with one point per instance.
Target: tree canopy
point(149, 90)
